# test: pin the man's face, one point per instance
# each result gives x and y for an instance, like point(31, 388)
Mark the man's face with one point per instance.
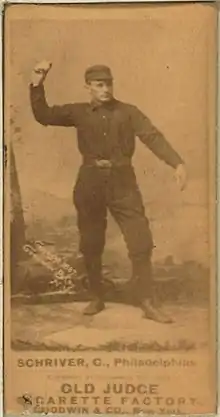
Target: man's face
point(101, 90)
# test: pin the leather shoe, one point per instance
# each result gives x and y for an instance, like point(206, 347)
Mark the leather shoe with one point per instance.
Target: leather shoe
point(152, 313)
point(94, 307)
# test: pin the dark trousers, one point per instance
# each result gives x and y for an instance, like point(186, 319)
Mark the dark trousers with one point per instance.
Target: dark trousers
point(115, 189)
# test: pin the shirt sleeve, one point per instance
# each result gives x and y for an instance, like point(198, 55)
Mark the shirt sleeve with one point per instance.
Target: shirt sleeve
point(63, 115)
point(153, 138)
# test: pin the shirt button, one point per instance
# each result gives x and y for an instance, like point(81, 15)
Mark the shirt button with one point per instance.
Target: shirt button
point(105, 133)
point(104, 117)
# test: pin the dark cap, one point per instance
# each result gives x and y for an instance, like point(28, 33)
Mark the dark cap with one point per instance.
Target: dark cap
point(98, 73)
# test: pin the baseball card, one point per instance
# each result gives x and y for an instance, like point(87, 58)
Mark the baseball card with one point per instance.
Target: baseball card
point(110, 118)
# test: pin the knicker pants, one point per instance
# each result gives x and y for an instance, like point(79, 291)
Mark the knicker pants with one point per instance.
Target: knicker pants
point(98, 190)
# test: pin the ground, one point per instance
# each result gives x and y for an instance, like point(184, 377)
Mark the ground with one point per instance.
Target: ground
point(62, 326)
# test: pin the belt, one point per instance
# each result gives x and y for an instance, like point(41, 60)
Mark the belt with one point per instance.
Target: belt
point(106, 163)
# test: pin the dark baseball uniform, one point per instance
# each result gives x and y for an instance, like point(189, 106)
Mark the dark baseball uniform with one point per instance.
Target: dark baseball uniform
point(108, 132)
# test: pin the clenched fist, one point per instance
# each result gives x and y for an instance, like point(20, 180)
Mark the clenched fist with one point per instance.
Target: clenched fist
point(40, 72)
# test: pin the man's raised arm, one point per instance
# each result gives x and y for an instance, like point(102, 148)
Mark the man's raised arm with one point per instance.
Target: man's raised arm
point(63, 115)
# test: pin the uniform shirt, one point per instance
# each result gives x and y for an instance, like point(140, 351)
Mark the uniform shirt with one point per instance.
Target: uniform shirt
point(105, 131)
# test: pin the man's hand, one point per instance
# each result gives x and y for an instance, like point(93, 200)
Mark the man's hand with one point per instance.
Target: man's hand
point(181, 177)
point(40, 72)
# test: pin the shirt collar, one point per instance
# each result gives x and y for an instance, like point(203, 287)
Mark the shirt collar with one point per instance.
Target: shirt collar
point(108, 105)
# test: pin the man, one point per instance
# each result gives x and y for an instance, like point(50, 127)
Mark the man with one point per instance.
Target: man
point(106, 132)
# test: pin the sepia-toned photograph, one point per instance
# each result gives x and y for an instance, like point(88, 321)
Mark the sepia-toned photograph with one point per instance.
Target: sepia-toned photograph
point(109, 158)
